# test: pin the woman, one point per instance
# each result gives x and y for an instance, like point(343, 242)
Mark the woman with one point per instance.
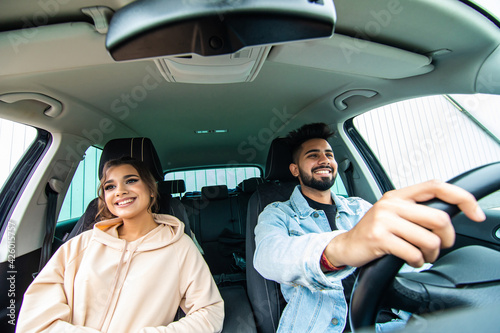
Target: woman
point(129, 274)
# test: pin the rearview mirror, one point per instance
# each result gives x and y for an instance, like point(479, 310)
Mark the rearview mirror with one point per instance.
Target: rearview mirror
point(157, 28)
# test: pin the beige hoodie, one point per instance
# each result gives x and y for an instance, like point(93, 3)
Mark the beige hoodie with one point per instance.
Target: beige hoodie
point(97, 282)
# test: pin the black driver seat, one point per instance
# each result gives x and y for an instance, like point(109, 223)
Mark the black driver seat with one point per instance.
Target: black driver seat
point(265, 295)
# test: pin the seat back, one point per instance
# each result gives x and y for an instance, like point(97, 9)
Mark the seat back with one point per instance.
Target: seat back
point(173, 206)
point(245, 191)
point(265, 296)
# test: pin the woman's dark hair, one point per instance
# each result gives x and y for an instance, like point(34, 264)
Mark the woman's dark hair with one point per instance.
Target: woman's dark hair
point(145, 175)
point(307, 132)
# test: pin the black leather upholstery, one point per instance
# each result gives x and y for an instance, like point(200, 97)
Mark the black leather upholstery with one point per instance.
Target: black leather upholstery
point(250, 185)
point(171, 205)
point(215, 192)
point(265, 295)
point(278, 161)
point(177, 186)
point(141, 149)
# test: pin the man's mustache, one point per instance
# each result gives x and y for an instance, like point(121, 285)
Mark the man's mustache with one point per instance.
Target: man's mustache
point(323, 167)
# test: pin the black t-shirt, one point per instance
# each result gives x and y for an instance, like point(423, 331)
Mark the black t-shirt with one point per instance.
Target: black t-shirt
point(330, 212)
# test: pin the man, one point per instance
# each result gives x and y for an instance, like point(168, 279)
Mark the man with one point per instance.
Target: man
point(313, 241)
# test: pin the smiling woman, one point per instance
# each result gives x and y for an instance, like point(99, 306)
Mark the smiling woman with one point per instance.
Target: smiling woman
point(121, 262)
point(127, 190)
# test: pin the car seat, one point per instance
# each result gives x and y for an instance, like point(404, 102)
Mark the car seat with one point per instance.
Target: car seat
point(265, 296)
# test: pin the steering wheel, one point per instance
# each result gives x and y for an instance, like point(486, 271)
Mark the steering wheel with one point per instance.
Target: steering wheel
point(469, 276)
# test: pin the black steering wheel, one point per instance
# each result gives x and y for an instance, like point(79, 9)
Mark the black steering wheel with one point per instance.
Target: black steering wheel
point(469, 276)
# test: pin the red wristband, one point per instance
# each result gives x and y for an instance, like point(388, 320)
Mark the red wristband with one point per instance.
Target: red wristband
point(328, 265)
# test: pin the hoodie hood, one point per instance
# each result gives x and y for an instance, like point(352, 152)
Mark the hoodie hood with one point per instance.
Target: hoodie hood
point(169, 230)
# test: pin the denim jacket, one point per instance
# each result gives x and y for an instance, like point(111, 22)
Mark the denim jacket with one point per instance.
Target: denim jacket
point(290, 239)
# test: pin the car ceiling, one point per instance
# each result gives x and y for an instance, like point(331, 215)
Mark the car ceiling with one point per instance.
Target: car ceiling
point(93, 89)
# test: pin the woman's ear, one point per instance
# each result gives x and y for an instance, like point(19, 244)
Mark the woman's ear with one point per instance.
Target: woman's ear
point(294, 169)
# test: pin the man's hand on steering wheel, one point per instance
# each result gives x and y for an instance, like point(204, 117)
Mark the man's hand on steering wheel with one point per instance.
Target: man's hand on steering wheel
point(397, 224)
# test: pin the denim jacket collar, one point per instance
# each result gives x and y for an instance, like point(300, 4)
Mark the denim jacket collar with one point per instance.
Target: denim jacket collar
point(300, 205)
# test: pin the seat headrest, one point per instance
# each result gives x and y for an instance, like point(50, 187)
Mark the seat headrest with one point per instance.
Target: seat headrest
point(139, 148)
point(172, 186)
point(278, 161)
point(250, 185)
point(216, 192)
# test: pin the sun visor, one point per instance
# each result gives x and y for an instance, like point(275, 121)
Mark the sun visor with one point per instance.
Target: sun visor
point(353, 56)
point(159, 28)
point(52, 47)
point(488, 81)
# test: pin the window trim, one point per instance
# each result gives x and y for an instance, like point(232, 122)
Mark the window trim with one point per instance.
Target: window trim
point(482, 11)
point(12, 188)
point(383, 181)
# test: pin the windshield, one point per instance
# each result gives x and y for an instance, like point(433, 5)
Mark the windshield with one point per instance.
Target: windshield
point(491, 6)
point(482, 108)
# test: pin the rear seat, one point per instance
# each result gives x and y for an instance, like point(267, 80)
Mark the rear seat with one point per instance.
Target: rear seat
point(173, 206)
point(215, 220)
point(218, 219)
point(165, 190)
point(245, 190)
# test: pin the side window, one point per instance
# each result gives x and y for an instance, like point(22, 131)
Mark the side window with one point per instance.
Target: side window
point(16, 139)
point(435, 137)
point(83, 187)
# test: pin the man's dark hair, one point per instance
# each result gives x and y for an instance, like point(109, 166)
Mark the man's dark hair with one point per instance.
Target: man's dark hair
point(307, 132)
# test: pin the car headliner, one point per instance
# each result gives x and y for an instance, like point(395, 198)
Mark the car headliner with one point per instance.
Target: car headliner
point(69, 63)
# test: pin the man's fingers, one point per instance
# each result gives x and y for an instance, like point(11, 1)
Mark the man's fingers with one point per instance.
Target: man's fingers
point(406, 251)
point(449, 193)
point(418, 222)
point(426, 241)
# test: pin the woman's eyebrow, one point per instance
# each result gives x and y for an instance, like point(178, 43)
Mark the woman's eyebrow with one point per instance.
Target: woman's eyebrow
point(124, 177)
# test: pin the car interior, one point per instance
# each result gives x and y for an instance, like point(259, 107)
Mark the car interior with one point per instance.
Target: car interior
point(194, 85)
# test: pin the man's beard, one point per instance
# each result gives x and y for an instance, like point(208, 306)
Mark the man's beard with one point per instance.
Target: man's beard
point(321, 185)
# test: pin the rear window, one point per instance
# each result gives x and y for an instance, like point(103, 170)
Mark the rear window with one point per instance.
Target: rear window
point(196, 179)
point(231, 177)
